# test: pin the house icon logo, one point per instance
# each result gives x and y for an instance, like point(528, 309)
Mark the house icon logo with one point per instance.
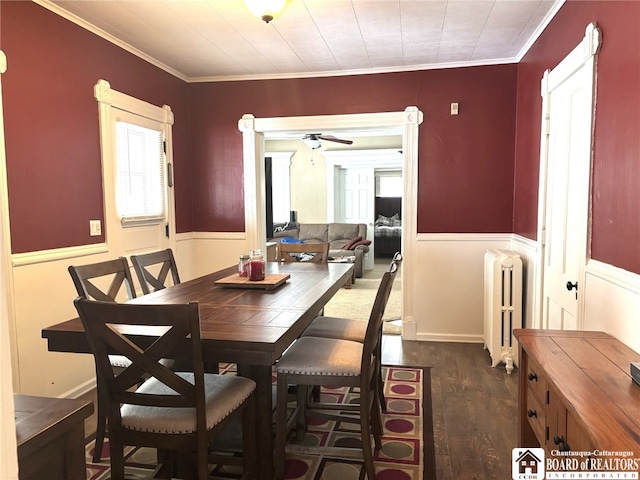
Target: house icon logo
point(527, 464)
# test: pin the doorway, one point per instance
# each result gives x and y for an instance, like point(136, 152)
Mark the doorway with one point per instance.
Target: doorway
point(407, 122)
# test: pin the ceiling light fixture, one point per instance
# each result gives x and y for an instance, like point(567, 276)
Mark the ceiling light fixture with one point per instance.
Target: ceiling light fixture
point(312, 142)
point(267, 10)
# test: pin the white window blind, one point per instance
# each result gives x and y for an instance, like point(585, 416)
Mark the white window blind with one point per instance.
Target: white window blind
point(140, 172)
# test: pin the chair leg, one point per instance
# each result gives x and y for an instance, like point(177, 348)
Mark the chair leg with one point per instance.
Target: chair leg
point(376, 424)
point(301, 418)
point(249, 443)
point(281, 426)
point(101, 425)
point(365, 430)
point(117, 460)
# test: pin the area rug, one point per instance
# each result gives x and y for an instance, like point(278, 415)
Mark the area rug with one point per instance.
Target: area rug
point(356, 302)
point(407, 453)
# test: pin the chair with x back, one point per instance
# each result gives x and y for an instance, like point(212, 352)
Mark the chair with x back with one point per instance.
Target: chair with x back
point(351, 329)
point(108, 281)
point(177, 412)
point(332, 362)
point(303, 252)
point(152, 269)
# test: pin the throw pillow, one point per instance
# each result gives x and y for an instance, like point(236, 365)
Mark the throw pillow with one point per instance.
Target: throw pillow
point(350, 243)
point(361, 242)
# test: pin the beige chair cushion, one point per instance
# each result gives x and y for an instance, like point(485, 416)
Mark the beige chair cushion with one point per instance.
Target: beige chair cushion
point(335, 327)
point(322, 356)
point(223, 393)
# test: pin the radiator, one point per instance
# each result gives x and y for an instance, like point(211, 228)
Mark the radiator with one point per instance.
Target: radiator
point(502, 305)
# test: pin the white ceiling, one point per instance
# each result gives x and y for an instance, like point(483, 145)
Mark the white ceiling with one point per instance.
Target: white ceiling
point(209, 40)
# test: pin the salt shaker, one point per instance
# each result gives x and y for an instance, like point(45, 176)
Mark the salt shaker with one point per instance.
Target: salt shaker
point(256, 265)
point(243, 265)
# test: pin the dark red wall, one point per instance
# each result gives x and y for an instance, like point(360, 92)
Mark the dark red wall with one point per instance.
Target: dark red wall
point(51, 124)
point(465, 170)
point(616, 152)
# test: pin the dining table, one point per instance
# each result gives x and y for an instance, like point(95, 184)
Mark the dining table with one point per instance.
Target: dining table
point(248, 324)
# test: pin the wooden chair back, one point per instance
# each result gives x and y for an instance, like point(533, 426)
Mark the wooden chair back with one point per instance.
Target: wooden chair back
point(103, 323)
point(87, 277)
point(373, 336)
point(161, 262)
point(291, 252)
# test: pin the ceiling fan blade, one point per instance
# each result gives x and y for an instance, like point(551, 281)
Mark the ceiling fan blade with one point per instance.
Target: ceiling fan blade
point(331, 138)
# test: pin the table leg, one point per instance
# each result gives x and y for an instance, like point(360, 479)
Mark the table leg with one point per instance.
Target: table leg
point(264, 417)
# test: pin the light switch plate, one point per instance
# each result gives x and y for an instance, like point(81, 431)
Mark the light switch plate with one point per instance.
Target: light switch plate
point(95, 228)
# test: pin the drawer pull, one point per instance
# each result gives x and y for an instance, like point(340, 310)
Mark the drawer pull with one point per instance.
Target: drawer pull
point(532, 413)
point(562, 445)
point(532, 376)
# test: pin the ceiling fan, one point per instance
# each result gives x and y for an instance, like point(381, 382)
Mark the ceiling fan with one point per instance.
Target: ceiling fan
point(313, 140)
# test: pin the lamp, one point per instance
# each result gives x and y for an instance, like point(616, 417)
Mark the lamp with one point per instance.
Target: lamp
point(267, 10)
point(312, 142)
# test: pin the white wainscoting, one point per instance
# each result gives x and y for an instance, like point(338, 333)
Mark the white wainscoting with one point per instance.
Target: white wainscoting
point(613, 302)
point(448, 272)
point(200, 253)
point(446, 303)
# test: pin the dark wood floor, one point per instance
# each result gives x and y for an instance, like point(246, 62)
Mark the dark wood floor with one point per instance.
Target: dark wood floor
point(474, 407)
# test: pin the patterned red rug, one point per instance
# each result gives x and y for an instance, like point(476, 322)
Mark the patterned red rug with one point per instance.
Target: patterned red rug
point(407, 452)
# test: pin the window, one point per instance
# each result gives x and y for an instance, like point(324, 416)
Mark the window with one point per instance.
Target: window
point(140, 173)
point(389, 184)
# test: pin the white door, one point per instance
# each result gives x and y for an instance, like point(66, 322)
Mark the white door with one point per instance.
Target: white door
point(142, 184)
point(569, 105)
point(357, 202)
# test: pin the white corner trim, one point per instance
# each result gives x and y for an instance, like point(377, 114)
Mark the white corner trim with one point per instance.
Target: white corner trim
point(622, 278)
point(42, 256)
point(108, 37)
point(3, 62)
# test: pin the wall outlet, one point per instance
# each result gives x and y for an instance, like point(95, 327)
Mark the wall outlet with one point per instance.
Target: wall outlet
point(95, 228)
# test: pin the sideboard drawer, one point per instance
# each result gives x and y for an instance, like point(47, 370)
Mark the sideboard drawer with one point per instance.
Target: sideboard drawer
point(536, 414)
point(536, 380)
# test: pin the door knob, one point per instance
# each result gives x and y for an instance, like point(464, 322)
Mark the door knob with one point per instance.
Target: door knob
point(571, 286)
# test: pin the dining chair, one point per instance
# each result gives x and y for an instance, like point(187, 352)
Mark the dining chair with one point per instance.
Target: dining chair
point(90, 280)
point(108, 281)
point(317, 361)
point(354, 330)
point(305, 252)
point(162, 262)
point(177, 412)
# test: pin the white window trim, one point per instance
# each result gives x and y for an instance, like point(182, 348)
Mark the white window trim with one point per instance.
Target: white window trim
point(110, 102)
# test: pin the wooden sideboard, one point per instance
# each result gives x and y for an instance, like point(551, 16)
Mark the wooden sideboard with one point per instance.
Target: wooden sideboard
point(576, 392)
point(50, 437)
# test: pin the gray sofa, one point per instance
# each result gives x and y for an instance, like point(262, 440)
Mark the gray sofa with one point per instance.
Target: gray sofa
point(338, 235)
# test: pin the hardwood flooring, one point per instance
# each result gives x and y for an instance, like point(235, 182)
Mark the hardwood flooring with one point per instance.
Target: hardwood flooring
point(474, 406)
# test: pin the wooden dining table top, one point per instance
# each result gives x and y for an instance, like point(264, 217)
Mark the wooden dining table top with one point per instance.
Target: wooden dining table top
point(242, 325)
point(251, 327)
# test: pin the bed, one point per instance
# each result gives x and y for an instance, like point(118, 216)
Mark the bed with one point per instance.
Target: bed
point(388, 226)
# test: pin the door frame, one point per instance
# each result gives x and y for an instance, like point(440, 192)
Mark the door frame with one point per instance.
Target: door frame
point(583, 55)
point(408, 121)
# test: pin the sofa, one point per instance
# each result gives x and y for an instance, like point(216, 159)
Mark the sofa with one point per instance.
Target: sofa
point(345, 239)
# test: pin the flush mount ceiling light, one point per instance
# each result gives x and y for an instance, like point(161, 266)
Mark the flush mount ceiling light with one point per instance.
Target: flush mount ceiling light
point(267, 10)
point(312, 142)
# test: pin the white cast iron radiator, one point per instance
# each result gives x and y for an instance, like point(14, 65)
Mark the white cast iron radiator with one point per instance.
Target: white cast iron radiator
point(502, 305)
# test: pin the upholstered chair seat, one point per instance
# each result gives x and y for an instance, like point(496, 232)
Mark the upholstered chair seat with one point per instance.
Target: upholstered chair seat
point(223, 395)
